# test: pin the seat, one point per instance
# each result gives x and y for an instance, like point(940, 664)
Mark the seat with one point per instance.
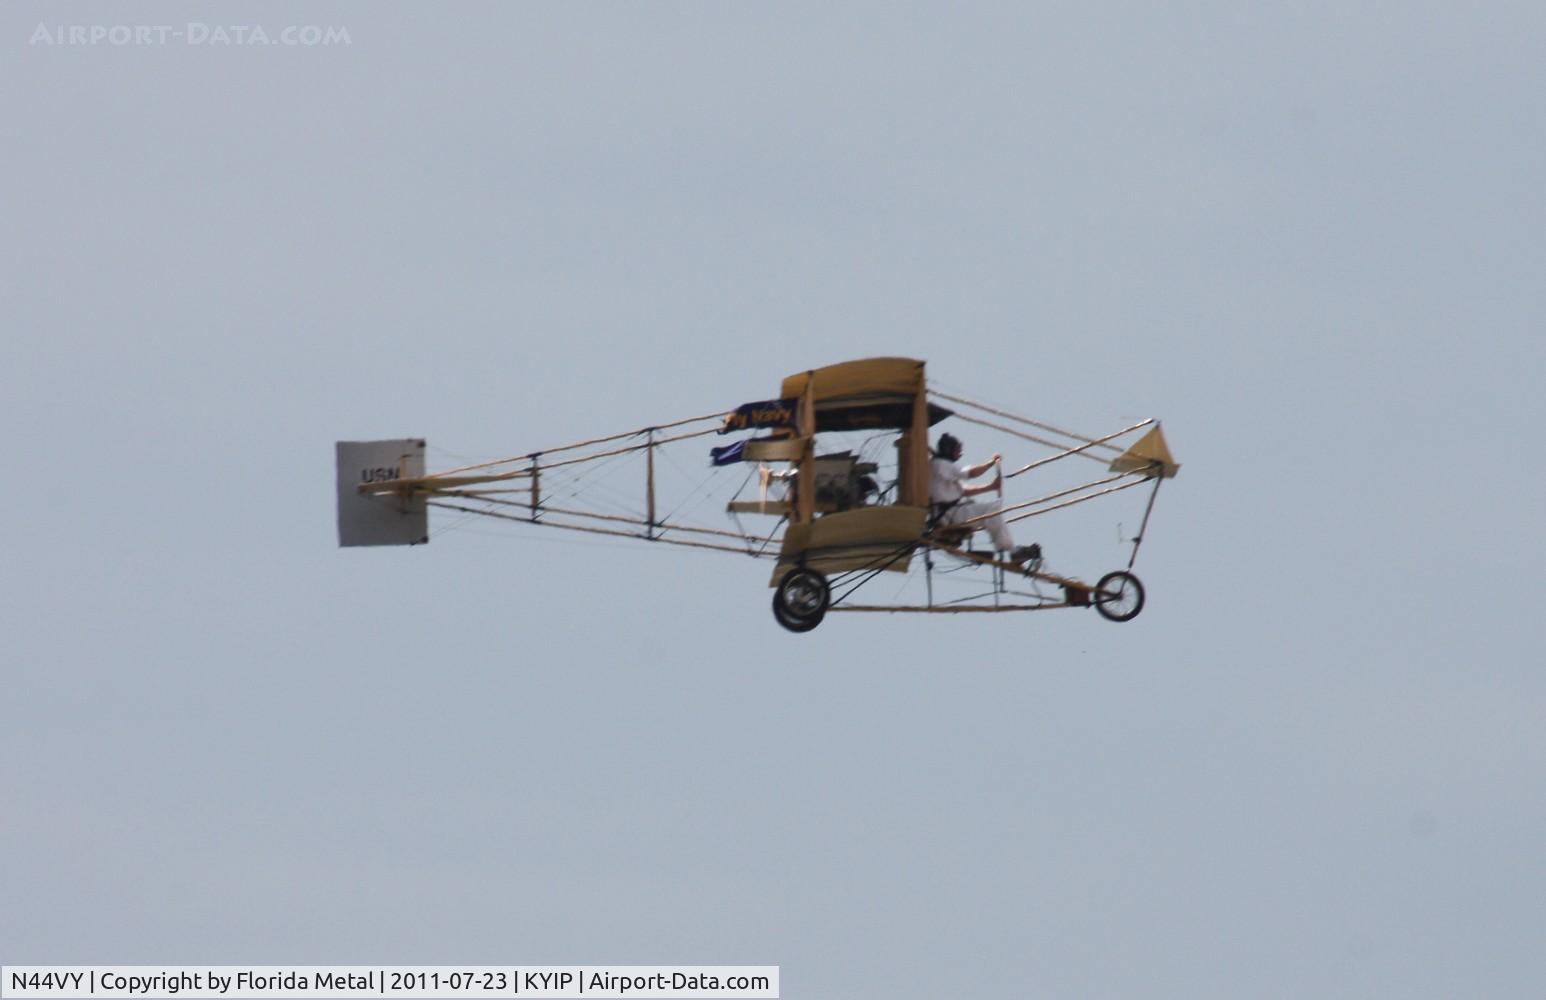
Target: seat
point(956, 536)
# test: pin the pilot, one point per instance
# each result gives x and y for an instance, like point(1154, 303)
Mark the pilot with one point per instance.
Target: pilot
point(949, 488)
point(869, 491)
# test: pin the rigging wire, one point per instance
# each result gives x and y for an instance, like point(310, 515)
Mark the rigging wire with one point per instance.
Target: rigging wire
point(584, 444)
point(1004, 413)
point(702, 489)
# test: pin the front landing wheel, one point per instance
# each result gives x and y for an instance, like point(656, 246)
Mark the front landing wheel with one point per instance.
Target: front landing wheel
point(1118, 596)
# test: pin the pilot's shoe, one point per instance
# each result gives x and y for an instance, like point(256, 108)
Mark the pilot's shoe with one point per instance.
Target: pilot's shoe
point(1025, 553)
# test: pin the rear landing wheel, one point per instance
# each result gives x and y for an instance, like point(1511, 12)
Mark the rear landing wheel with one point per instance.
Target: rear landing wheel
point(801, 600)
point(1118, 596)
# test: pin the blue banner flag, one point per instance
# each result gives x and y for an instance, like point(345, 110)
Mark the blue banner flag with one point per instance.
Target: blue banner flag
point(728, 455)
point(768, 413)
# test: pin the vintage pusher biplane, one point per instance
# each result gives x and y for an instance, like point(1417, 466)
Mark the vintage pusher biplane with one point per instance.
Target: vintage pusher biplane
point(841, 460)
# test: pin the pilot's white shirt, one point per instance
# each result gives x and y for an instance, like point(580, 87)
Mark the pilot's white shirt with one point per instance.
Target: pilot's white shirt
point(945, 480)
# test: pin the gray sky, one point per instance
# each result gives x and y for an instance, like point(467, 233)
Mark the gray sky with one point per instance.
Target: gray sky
point(1307, 236)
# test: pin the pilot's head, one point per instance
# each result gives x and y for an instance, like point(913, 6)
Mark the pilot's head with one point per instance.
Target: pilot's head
point(948, 448)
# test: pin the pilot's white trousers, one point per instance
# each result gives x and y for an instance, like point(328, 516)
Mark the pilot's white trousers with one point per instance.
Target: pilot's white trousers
point(1003, 541)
